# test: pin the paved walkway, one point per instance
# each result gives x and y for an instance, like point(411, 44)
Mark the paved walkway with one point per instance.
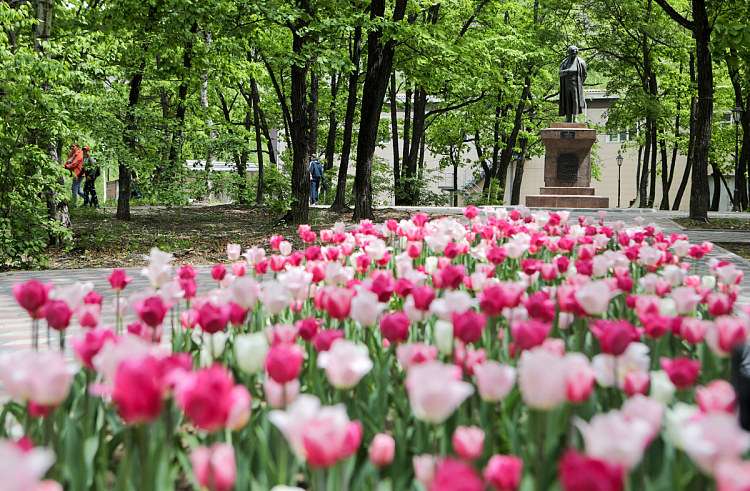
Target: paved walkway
point(15, 324)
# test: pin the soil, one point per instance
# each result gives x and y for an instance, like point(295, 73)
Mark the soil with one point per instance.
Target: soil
point(714, 224)
point(195, 235)
point(742, 250)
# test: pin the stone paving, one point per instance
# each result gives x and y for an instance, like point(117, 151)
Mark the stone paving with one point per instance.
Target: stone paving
point(15, 324)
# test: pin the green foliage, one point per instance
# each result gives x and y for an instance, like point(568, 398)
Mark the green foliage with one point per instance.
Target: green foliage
point(277, 191)
point(488, 197)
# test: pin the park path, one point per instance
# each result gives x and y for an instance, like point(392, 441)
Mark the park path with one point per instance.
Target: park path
point(15, 324)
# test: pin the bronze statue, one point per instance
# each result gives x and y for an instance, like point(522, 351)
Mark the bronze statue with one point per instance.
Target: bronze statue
point(572, 74)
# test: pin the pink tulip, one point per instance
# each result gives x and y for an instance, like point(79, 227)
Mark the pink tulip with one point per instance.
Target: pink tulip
point(87, 347)
point(614, 336)
point(616, 438)
point(338, 302)
point(581, 473)
point(718, 395)
point(424, 468)
point(682, 371)
point(415, 353)
point(48, 485)
point(218, 272)
point(206, 397)
point(240, 408)
point(365, 307)
point(32, 296)
point(636, 382)
point(504, 472)
point(686, 300)
point(40, 377)
point(693, 330)
point(494, 380)
point(435, 390)
point(22, 468)
point(732, 475)
point(57, 314)
point(468, 326)
point(88, 315)
point(323, 340)
point(542, 378)
point(468, 442)
point(719, 304)
point(284, 362)
point(119, 279)
point(137, 391)
point(278, 395)
point(454, 475)
point(530, 334)
point(189, 319)
point(579, 378)
point(214, 467)
point(593, 297)
point(395, 327)
point(212, 318)
point(152, 310)
point(726, 332)
point(647, 409)
point(382, 450)
point(345, 363)
point(710, 438)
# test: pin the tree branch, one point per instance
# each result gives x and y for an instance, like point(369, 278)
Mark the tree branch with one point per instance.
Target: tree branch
point(687, 24)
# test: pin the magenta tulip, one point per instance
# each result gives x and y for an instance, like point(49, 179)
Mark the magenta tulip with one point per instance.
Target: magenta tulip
point(32, 296)
point(212, 318)
point(206, 397)
point(682, 371)
point(137, 390)
point(119, 279)
point(57, 314)
point(284, 362)
point(503, 472)
point(395, 327)
point(151, 310)
point(468, 326)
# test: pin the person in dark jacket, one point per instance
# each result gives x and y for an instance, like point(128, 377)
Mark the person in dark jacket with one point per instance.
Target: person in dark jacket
point(316, 176)
point(90, 172)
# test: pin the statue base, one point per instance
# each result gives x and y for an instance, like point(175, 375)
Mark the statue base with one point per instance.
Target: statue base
point(567, 169)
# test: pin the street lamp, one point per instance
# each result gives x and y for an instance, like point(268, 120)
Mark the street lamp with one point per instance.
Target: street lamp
point(736, 117)
point(619, 160)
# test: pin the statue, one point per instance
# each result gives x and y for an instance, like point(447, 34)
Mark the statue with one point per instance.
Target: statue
point(572, 74)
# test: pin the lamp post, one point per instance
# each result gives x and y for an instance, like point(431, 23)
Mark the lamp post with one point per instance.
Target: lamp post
point(619, 168)
point(736, 117)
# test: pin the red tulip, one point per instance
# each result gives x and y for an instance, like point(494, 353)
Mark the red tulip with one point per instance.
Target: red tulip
point(32, 296)
point(395, 327)
point(284, 362)
point(503, 472)
point(119, 279)
point(468, 326)
point(137, 391)
point(454, 475)
point(206, 397)
point(213, 319)
point(614, 336)
point(682, 371)
point(581, 473)
point(57, 314)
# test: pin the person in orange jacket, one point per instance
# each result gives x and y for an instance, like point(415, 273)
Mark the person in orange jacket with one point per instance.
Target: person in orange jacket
point(74, 164)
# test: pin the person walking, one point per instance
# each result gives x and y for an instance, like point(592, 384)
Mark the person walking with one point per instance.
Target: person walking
point(91, 172)
point(74, 165)
point(316, 176)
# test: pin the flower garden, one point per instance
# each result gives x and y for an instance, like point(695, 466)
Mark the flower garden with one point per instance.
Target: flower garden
point(506, 350)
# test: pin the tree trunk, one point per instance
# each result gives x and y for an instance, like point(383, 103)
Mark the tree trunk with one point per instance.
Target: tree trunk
point(410, 185)
point(518, 177)
point(258, 140)
point(507, 153)
point(654, 147)
point(175, 147)
point(691, 141)
point(300, 132)
point(644, 171)
point(332, 124)
point(339, 203)
point(379, 66)
point(210, 157)
point(717, 187)
point(394, 134)
point(665, 177)
point(131, 142)
point(314, 113)
point(407, 121)
point(741, 184)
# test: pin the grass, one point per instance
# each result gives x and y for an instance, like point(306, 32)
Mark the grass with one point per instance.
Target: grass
point(714, 224)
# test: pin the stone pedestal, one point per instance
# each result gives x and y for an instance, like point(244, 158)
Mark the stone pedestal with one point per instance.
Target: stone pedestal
point(567, 169)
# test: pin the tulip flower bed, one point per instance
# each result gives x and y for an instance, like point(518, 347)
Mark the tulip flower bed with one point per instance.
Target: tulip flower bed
point(507, 350)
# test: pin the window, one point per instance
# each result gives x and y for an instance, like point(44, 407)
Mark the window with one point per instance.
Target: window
point(621, 136)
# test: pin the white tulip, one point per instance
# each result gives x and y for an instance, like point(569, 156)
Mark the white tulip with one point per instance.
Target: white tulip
point(250, 350)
